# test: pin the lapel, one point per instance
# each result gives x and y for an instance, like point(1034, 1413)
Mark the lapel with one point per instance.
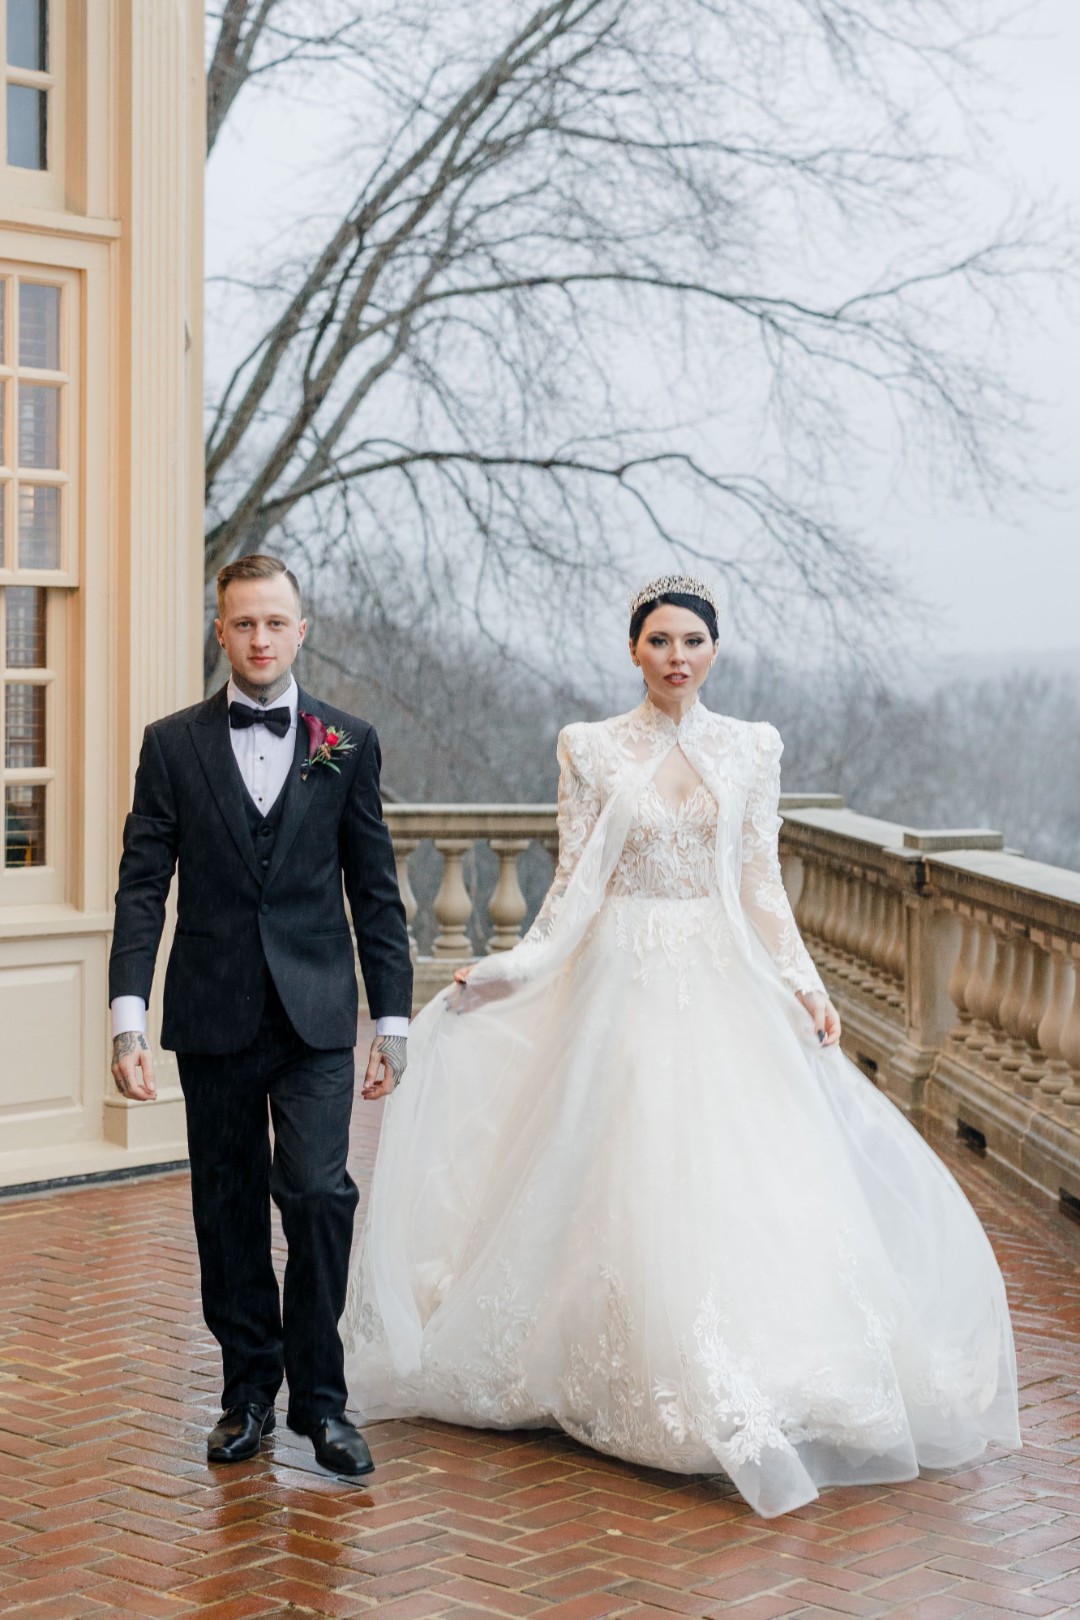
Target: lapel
point(299, 794)
point(209, 729)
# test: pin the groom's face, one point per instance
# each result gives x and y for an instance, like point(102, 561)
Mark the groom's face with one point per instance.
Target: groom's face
point(261, 629)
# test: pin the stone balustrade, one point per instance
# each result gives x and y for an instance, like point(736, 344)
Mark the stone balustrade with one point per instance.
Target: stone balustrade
point(455, 831)
point(954, 962)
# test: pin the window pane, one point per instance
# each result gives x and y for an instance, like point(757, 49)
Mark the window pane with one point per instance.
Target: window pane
point(39, 526)
point(27, 142)
point(28, 34)
point(39, 326)
point(24, 726)
point(25, 615)
point(39, 425)
point(24, 832)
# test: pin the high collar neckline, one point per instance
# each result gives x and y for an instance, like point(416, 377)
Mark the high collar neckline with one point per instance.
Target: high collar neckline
point(659, 724)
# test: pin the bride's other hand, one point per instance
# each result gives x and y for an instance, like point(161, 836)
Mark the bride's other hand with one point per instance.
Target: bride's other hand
point(825, 1016)
point(464, 997)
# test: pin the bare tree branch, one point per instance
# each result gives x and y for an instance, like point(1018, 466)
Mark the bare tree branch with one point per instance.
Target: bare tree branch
point(604, 280)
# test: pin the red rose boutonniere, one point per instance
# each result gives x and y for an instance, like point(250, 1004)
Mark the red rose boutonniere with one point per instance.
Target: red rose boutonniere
point(326, 745)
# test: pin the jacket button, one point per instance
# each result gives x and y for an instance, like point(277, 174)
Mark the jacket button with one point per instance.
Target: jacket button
point(265, 907)
point(265, 861)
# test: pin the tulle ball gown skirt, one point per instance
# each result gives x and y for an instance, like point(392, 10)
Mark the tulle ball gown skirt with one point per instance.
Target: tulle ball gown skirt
point(637, 1202)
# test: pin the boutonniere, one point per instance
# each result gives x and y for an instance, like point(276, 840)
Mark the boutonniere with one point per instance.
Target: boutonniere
point(326, 745)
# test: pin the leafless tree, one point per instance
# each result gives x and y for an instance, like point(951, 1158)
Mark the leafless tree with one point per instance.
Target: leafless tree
point(610, 274)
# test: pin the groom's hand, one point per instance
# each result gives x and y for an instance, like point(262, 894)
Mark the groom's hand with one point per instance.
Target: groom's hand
point(386, 1065)
point(133, 1067)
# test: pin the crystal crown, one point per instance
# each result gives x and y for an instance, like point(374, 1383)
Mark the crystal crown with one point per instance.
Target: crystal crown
point(681, 584)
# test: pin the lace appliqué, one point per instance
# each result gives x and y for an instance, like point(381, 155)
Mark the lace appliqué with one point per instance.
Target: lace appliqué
point(361, 1320)
point(494, 1387)
point(729, 822)
point(656, 934)
point(762, 891)
point(606, 1406)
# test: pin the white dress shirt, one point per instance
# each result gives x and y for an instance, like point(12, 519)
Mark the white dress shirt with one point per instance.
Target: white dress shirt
point(264, 760)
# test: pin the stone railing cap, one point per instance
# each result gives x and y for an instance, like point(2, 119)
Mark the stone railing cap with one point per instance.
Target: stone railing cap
point(935, 839)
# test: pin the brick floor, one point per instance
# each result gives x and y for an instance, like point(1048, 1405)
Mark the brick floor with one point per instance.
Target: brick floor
point(108, 1384)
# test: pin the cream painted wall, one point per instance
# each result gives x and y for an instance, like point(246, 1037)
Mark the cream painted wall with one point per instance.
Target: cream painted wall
point(121, 210)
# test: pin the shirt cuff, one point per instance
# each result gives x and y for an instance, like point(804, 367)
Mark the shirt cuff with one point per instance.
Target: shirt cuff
point(391, 1026)
point(128, 1013)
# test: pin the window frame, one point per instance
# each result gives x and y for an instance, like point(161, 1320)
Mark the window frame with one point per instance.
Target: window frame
point(45, 884)
point(67, 477)
point(50, 883)
point(38, 188)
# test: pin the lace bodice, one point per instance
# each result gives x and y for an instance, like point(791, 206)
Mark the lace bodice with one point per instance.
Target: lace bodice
point(670, 853)
point(721, 841)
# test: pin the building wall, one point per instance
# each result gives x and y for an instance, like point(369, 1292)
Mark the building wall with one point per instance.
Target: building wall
point(101, 510)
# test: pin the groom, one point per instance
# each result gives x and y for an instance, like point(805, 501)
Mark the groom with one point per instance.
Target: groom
point(267, 803)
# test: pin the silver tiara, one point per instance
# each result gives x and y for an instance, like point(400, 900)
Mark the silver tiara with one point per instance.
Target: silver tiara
point(682, 584)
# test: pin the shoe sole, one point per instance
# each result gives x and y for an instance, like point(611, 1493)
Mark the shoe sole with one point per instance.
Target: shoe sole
point(346, 1473)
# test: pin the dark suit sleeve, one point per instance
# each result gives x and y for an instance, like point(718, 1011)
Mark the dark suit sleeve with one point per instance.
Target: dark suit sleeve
point(146, 869)
point(367, 861)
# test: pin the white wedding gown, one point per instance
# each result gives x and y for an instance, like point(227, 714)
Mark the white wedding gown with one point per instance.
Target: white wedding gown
point(622, 1190)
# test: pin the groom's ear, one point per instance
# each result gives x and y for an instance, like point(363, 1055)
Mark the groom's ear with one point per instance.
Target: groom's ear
point(217, 632)
point(303, 631)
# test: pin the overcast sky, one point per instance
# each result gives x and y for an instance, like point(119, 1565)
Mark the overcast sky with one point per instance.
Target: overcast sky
point(1001, 585)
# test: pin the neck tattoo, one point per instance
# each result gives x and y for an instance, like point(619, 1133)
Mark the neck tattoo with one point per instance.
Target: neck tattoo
point(262, 695)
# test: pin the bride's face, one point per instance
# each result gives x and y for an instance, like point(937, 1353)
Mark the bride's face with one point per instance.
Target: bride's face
point(674, 652)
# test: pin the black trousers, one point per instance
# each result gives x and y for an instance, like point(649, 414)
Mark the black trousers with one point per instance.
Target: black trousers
point(308, 1095)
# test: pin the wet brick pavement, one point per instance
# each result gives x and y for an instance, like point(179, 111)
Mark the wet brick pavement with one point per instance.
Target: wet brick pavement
point(108, 1384)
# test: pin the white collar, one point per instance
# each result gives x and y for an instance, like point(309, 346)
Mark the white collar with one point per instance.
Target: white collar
point(289, 699)
point(651, 720)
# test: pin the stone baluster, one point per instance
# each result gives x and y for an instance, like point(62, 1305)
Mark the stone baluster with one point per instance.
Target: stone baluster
point(1036, 1002)
point(1070, 1045)
point(808, 910)
point(866, 941)
point(847, 927)
point(403, 848)
point(830, 916)
point(896, 958)
point(1055, 1075)
point(961, 977)
point(1012, 1006)
point(453, 906)
point(978, 992)
point(876, 981)
point(1000, 981)
point(507, 905)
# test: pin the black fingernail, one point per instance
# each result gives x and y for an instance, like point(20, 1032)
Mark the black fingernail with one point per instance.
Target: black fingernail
point(821, 1034)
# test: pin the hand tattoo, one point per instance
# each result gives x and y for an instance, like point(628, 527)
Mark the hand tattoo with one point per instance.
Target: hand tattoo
point(395, 1049)
point(129, 1042)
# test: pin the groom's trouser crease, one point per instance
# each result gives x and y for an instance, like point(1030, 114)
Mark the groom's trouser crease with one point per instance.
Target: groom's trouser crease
point(230, 1099)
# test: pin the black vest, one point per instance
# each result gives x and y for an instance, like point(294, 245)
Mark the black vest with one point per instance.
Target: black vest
point(264, 829)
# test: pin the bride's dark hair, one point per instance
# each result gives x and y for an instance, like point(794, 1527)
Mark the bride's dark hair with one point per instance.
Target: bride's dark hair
point(696, 604)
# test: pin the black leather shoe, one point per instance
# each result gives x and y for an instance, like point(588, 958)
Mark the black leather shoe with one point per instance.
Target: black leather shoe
point(341, 1447)
point(238, 1433)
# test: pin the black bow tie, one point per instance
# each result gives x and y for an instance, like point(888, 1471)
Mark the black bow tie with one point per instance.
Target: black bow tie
point(242, 715)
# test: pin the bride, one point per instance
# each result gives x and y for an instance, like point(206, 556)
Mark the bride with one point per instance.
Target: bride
point(633, 1189)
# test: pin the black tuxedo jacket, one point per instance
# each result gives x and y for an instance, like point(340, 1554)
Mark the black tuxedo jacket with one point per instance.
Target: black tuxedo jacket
point(235, 920)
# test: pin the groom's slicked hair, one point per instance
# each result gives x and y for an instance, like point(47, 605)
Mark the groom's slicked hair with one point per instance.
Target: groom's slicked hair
point(257, 566)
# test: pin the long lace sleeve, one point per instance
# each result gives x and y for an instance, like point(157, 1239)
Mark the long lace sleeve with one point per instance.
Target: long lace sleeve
point(579, 806)
point(764, 898)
